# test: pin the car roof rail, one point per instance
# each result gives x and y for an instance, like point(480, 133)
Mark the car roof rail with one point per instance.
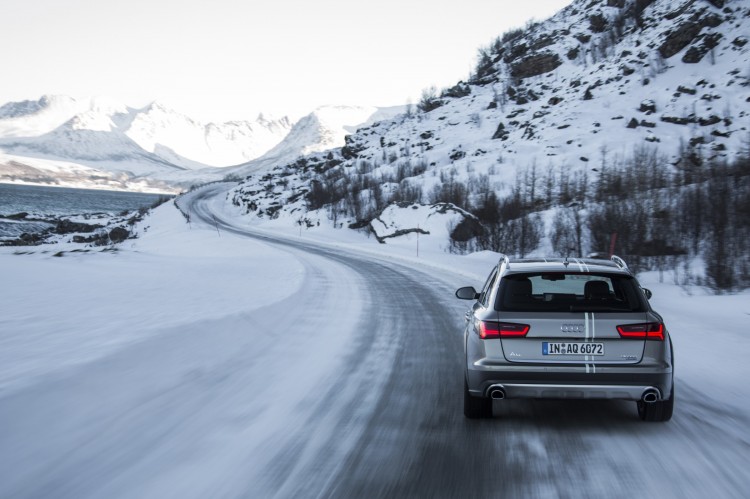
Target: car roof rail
point(504, 260)
point(619, 262)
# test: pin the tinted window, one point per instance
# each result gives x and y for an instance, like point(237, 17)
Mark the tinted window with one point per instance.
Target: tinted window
point(569, 292)
point(485, 295)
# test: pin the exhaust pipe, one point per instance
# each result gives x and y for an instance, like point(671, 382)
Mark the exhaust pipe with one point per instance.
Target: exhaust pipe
point(497, 393)
point(650, 396)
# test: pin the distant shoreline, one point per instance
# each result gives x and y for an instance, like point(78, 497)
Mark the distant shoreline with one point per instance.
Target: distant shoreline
point(93, 187)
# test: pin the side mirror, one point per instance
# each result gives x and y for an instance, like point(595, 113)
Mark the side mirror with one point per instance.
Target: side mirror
point(467, 293)
point(648, 293)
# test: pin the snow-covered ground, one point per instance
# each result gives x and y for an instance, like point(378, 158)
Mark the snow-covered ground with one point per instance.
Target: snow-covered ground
point(191, 360)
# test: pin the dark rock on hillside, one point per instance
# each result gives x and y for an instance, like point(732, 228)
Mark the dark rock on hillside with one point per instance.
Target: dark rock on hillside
point(648, 107)
point(456, 91)
point(17, 216)
point(687, 32)
point(501, 133)
point(542, 42)
point(679, 10)
point(467, 229)
point(351, 149)
point(535, 65)
point(515, 52)
point(679, 39)
point(696, 52)
point(597, 23)
point(24, 239)
point(676, 120)
point(686, 90)
point(455, 155)
point(118, 235)
point(711, 120)
point(68, 227)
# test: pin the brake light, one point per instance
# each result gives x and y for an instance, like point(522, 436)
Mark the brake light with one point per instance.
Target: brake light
point(647, 330)
point(491, 329)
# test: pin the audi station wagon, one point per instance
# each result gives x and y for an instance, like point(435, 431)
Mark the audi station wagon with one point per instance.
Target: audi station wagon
point(565, 329)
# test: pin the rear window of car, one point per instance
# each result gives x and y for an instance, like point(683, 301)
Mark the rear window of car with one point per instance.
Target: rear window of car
point(569, 292)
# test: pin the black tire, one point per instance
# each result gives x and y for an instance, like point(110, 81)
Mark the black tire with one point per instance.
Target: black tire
point(476, 407)
point(657, 411)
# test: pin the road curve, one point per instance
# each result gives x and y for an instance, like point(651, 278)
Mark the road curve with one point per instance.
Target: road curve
point(403, 433)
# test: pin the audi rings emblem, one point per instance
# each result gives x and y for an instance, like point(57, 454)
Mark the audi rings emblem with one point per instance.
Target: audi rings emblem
point(572, 328)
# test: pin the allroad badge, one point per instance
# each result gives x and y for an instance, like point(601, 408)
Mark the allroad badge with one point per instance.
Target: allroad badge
point(572, 328)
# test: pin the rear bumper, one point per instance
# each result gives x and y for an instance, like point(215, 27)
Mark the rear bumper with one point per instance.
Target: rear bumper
point(567, 382)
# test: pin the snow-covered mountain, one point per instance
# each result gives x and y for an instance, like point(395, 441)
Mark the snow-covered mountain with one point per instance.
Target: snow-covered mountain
point(100, 129)
point(123, 146)
point(607, 99)
point(173, 136)
point(323, 129)
point(109, 144)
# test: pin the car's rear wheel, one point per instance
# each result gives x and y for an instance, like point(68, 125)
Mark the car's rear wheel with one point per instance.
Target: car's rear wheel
point(657, 411)
point(476, 407)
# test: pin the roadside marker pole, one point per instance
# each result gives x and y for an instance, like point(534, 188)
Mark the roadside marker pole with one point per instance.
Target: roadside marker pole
point(216, 224)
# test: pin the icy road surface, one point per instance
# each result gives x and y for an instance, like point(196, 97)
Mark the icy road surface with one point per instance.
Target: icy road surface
point(202, 361)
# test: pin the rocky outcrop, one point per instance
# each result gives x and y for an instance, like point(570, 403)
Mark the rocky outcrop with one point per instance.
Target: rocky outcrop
point(69, 227)
point(696, 52)
point(118, 234)
point(535, 65)
point(680, 38)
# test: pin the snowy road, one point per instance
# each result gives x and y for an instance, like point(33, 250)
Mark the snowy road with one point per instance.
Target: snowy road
point(272, 367)
point(416, 441)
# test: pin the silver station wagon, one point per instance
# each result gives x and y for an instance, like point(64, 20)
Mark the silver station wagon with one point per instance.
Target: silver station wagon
point(566, 329)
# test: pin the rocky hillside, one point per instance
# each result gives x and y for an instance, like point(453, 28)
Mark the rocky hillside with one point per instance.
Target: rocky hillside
point(560, 122)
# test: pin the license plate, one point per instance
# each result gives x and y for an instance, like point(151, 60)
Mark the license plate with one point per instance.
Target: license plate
point(568, 348)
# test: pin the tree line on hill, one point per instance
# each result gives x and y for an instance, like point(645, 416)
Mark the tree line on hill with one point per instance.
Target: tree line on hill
point(655, 213)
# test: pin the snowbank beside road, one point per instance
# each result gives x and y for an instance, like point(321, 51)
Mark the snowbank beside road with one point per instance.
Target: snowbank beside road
point(59, 311)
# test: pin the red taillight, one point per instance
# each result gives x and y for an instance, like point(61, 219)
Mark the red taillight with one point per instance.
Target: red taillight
point(490, 329)
point(648, 331)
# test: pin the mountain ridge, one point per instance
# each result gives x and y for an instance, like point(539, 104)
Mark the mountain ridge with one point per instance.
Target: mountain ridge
point(155, 144)
point(52, 122)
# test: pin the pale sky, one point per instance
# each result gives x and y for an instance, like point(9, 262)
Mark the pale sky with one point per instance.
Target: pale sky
point(231, 59)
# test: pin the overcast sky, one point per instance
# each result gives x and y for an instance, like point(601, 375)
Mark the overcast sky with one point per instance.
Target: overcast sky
point(230, 59)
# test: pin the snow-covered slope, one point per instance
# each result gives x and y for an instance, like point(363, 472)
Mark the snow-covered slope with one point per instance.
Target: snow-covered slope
point(601, 83)
point(596, 76)
point(323, 129)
